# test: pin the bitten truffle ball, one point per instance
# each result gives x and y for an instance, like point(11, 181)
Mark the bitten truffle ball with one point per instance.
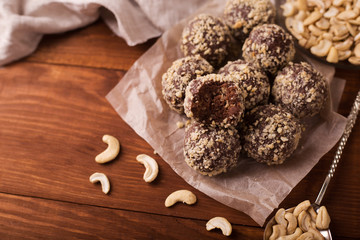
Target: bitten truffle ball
point(243, 15)
point(207, 36)
point(178, 76)
point(211, 150)
point(214, 100)
point(270, 134)
point(253, 80)
point(269, 47)
point(300, 89)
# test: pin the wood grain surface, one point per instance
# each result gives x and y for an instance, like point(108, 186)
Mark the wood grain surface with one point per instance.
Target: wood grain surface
point(53, 113)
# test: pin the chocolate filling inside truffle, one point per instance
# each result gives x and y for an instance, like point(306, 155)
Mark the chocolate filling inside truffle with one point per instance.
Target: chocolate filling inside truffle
point(216, 101)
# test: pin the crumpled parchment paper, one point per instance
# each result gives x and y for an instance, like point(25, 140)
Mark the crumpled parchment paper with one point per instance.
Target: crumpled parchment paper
point(253, 188)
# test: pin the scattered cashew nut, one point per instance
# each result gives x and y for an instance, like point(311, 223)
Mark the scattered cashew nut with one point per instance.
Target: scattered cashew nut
point(102, 178)
point(219, 222)
point(322, 219)
point(110, 152)
point(184, 196)
point(152, 168)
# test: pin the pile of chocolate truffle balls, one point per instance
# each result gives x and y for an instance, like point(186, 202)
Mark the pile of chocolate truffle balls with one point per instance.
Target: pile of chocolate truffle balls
point(252, 103)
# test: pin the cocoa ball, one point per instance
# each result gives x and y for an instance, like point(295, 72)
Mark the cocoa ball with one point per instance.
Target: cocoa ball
point(301, 89)
point(269, 47)
point(254, 81)
point(211, 150)
point(270, 134)
point(207, 36)
point(243, 15)
point(178, 76)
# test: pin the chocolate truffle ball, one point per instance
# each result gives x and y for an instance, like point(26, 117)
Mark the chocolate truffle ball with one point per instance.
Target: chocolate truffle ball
point(211, 150)
point(178, 76)
point(253, 80)
point(207, 36)
point(270, 134)
point(214, 100)
point(269, 47)
point(300, 89)
point(243, 15)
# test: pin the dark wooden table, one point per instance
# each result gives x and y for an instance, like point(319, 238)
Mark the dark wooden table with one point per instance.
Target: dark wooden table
point(53, 114)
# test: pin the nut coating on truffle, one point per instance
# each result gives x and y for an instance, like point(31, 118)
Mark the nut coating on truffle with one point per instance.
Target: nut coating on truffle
point(243, 15)
point(178, 76)
point(207, 36)
point(214, 100)
point(211, 150)
point(269, 47)
point(253, 80)
point(271, 134)
point(300, 89)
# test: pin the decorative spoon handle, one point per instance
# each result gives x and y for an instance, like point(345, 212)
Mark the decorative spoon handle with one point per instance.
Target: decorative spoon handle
point(349, 125)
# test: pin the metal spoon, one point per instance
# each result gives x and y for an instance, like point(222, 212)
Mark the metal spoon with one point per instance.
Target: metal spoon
point(316, 205)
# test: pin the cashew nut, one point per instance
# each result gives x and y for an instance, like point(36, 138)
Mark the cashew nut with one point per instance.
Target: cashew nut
point(322, 219)
point(312, 213)
point(313, 17)
point(357, 50)
point(219, 222)
point(152, 168)
point(316, 234)
point(304, 220)
point(322, 48)
point(332, 56)
point(354, 60)
point(302, 5)
point(323, 24)
point(318, 3)
point(315, 31)
point(344, 55)
point(288, 9)
point(306, 236)
point(311, 42)
point(356, 21)
point(110, 152)
point(278, 231)
point(338, 2)
point(293, 236)
point(341, 37)
point(345, 45)
point(301, 15)
point(280, 217)
point(292, 223)
point(100, 177)
point(303, 206)
point(351, 30)
point(339, 29)
point(346, 15)
point(331, 12)
point(184, 196)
